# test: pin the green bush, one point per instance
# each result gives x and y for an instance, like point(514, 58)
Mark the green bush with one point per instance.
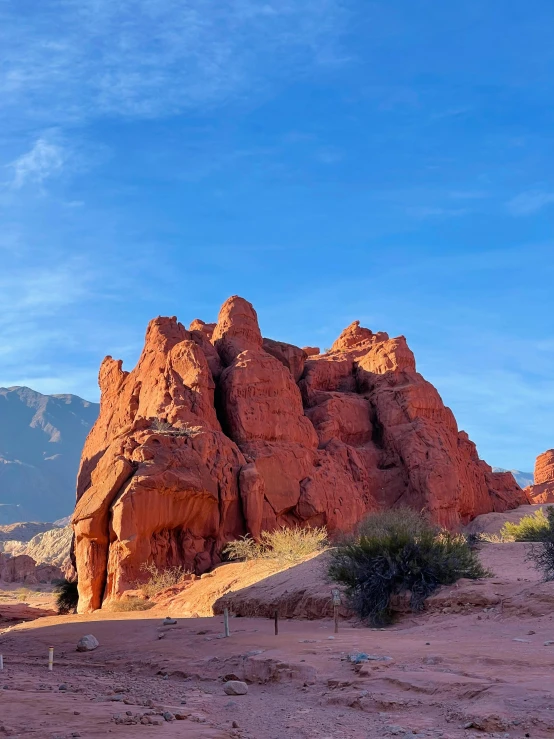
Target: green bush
point(531, 528)
point(396, 552)
point(542, 554)
point(284, 544)
point(67, 596)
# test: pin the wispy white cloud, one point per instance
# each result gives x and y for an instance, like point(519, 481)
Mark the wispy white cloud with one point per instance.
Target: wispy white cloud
point(75, 59)
point(45, 159)
point(436, 212)
point(30, 299)
point(37, 307)
point(452, 113)
point(532, 201)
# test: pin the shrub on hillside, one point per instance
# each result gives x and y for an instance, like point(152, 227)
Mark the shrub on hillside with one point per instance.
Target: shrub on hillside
point(130, 604)
point(284, 544)
point(396, 552)
point(530, 528)
point(542, 553)
point(67, 596)
point(167, 429)
point(243, 549)
point(159, 579)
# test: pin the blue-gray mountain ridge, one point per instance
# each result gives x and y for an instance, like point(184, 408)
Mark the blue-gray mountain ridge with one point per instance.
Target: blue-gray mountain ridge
point(41, 438)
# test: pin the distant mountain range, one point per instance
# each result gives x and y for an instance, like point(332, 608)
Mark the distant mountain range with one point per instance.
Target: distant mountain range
point(523, 479)
point(41, 438)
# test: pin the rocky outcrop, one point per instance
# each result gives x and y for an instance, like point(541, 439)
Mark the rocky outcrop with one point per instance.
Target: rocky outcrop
point(51, 547)
point(218, 432)
point(543, 489)
point(24, 569)
point(523, 479)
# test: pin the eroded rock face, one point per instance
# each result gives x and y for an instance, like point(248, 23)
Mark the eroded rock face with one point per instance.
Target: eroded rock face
point(218, 432)
point(543, 489)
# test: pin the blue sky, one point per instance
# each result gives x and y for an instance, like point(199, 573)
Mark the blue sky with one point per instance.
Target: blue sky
point(326, 159)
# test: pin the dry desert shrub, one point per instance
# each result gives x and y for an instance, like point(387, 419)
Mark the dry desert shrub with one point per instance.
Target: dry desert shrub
point(243, 549)
point(165, 428)
point(493, 538)
point(130, 604)
point(284, 544)
point(159, 579)
point(23, 594)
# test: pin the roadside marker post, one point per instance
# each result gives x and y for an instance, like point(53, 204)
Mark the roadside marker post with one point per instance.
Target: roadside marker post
point(50, 659)
point(336, 606)
point(226, 621)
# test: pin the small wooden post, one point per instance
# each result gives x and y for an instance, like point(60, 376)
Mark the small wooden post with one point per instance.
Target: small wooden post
point(336, 606)
point(276, 618)
point(50, 659)
point(1, 662)
point(226, 621)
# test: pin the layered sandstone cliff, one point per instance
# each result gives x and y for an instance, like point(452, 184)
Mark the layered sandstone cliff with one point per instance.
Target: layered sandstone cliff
point(543, 489)
point(218, 432)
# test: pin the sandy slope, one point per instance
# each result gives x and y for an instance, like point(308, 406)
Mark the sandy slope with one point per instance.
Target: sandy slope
point(256, 589)
point(303, 591)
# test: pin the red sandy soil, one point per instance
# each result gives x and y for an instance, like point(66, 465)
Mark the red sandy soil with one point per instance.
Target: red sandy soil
point(20, 603)
point(474, 665)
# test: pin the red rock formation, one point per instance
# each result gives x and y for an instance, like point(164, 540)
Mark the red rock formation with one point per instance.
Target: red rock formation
point(218, 432)
point(311, 351)
point(23, 568)
point(543, 489)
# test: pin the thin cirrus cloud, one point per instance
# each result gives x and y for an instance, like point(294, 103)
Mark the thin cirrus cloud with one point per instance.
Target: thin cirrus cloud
point(528, 203)
point(36, 312)
point(78, 59)
point(43, 161)
point(436, 212)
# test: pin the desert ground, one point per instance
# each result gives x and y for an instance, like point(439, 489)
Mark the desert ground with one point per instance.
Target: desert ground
point(478, 662)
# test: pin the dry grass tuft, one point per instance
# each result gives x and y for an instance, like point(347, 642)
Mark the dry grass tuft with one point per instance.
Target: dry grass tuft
point(23, 594)
point(130, 604)
point(160, 579)
point(165, 428)
point(284, 545)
